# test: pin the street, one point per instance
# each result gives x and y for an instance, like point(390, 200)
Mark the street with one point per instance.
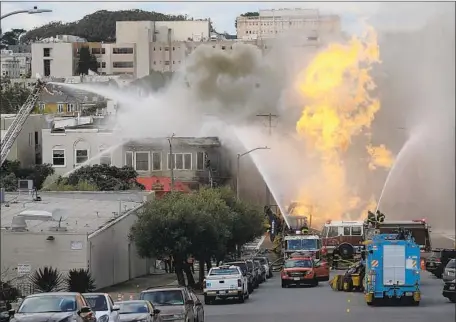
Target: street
point(272, 303)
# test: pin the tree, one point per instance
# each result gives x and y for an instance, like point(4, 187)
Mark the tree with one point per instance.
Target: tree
point(86, 62)
point(98, 26)
point(12, 96)
point(11, 37)
point(12, 170)
point(203, 224)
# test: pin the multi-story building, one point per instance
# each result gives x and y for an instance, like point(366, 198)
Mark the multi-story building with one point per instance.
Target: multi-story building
point(15, 65)
point(27, 147)
point(69, 146)
point(272, 23)
point(141, 47)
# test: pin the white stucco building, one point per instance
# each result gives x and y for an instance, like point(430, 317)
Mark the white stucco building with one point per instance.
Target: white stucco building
point(27, 147)
point(72, 230)
point(15, 65)
point(273, 23)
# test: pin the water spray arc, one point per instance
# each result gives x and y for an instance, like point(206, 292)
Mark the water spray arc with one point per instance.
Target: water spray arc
point(239, 156)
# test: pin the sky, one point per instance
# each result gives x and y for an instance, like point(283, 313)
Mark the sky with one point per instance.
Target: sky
point(222, 13)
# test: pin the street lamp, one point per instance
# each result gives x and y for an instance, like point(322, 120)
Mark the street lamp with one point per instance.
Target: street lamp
point(238, 165)
point(29, 11)
point(172, 160)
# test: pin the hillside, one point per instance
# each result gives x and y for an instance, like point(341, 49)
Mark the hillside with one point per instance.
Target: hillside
point(98, 26)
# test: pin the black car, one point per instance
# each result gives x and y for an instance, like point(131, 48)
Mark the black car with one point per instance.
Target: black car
point(449, 291)
point(244, 268)
point(58, 306)
point(439, 259)
point(254, 271)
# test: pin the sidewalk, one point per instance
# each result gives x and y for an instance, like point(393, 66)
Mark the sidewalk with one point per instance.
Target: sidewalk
point(132, 288)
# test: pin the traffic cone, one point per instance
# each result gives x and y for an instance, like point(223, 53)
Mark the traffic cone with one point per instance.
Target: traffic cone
point(423, 264)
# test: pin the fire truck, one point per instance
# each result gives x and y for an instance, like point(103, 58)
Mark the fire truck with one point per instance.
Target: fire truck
point(345, 236)
point(418, 228)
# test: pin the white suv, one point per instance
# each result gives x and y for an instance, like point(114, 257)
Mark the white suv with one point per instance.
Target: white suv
point(103, 306)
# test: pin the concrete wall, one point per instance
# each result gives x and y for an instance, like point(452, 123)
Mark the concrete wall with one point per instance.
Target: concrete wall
point(33, 249)
point(113, 258)
point(61, 56)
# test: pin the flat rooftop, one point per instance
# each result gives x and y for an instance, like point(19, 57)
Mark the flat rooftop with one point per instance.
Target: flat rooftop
point(81, 212)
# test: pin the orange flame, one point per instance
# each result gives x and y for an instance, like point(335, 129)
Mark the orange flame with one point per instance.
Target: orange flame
point(337, 87)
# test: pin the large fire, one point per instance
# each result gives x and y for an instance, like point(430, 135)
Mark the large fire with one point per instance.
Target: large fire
point(337, 88)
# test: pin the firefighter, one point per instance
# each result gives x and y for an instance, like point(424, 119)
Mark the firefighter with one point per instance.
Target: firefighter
point(336, 258)
point(305, 230)
point(380, 217)
point(371, 220)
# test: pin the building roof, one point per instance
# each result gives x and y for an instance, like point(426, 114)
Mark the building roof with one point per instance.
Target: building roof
point(176, 141)
point(81, 212)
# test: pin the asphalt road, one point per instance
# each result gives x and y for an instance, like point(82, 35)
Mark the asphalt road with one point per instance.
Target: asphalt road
point(321, 304)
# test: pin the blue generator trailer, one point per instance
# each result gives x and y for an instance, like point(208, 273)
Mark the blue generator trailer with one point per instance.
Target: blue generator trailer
point(392, 269)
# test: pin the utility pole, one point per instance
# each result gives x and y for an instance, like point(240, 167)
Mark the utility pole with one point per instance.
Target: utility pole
point(172, 160)
point(270, 116)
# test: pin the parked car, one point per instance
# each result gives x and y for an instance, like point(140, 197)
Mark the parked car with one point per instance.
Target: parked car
point(54, 306)
point(267, 265)
point(244, 268)
point(225, 282)
point(175, 303)
point(198, 308)
point(438, 260)
point(449, 273)
point(138, 310)
point(255, 273)
point(449, 290)
point(103, 306)
point(261, 270)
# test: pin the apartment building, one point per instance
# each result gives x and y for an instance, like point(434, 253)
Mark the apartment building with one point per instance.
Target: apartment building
point(15, 65)
point(273, 23)
point(27, 146)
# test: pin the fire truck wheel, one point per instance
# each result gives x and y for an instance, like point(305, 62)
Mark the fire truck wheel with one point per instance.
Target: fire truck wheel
point(346, 251)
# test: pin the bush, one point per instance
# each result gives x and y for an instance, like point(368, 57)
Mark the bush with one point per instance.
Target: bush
point(47, 279)
point(80, 280)
point(64, 186)
point(8, 293)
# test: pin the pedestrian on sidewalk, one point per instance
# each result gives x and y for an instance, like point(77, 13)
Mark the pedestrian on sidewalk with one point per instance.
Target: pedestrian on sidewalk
point(191, 263)
point(168, 264)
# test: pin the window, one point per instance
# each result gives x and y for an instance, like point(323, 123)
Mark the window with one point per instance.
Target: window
point(201, 158)
point(142, 161)
point(70, 107)
point(156, 161)
point(182, 161)
point(60, 108)
point(36, 138)
point(122, 50)
point(98, 51)
point(81, 156)
point(347, 231)
point(46, 52)
point(122, 64)
point(356, 231)
point(166, 62)
point(58, 157)
point(333, 232)
point(129, 159)
point(47, 67)
point(101, 64)
point(166, 48)
point(105, 157)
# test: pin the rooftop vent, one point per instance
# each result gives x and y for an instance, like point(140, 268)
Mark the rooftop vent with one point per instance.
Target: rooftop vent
point(19, 221)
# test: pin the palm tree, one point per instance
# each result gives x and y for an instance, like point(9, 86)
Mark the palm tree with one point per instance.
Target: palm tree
point(80, 280)
point(47, 279)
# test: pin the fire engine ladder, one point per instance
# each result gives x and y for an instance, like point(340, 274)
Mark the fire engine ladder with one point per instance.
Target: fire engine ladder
point(16, 126)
